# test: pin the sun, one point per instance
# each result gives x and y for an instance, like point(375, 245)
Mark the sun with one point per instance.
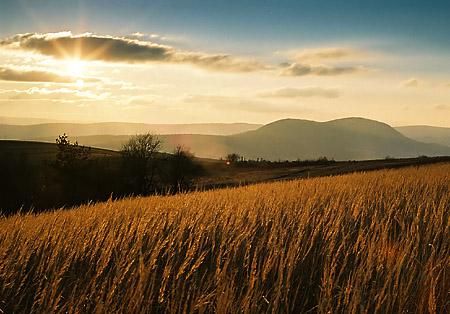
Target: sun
point(75, 68)
point(79, 83)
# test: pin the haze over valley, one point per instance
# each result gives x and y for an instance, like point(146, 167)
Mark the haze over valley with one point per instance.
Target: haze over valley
point(287, 139)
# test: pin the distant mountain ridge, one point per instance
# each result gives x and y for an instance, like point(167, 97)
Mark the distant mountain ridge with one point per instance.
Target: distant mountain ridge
point(291, 139)
point(43, 130)
point(427, 134)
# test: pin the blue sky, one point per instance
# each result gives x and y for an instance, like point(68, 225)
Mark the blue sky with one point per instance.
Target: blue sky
point(386, 60)
point(420, 24)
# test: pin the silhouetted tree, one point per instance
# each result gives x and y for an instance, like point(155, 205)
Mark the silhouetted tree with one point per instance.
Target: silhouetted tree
point(182, 169)
point(139, 154)
point(233, 158)
point(71, 163)
point(70, 154)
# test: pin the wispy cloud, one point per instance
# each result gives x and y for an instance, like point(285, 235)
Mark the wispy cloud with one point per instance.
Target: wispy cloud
point(442, 107)
point(245, 104)
point(88, 46)
point(412, 82)
point(50, 94)
point(298, 69)
point(26, 75)
point(311, 91)
point(329, 61)
point(329, 54)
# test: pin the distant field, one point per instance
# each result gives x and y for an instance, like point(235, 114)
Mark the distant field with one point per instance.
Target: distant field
point(358, 243)
point(218, 174)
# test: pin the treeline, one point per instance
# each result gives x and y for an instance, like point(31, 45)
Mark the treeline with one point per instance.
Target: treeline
point(76, 176)
point(241, 161)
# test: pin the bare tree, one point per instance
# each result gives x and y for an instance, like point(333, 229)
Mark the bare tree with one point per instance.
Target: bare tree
point(140, 156)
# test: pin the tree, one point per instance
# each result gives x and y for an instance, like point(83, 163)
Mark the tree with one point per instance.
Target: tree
point(71, 163)
point(182, 169)
point(233, 158)
point(70, 155)
point(139, 154)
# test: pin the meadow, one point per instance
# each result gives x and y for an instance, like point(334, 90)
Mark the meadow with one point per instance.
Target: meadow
point(375, 242)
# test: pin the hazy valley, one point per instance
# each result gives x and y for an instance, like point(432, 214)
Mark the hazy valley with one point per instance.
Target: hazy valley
point(288, 139)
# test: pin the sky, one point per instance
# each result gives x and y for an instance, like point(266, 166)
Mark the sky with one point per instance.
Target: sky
point(225, 61)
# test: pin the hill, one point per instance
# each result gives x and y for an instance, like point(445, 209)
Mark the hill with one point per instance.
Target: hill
point(290, 139)
point(369, 242)
point(427, 134)
point(52, 130)
point(343, 139)
point(38, 151)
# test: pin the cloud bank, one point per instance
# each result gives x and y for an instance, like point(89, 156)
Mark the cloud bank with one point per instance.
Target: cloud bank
point(120, 49)
point(141, 49)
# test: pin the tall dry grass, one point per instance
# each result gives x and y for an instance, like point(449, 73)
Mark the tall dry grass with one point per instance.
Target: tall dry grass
point(360, 243)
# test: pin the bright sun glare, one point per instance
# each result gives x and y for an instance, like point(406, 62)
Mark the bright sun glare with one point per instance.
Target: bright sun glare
point(75, 68)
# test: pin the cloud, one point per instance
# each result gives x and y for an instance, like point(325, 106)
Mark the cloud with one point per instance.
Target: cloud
point(154, 37)
point(143, 100)
point(141, 48)
point(298, 69)
point(19, 75)
point(244, 104)
point(48, 94)
point(87, 46)
point(412, 82)
point(312, 91)
point(332, 61)
point(230, 103)
point(442, 107)
point(331, 53)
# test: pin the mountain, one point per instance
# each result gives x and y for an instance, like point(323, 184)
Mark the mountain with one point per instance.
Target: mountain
point(427, 134)
point(52, 130)
point(343, 139)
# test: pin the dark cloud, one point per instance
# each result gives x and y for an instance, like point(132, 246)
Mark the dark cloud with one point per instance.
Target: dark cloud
point(17, 75)
point(118, 49)
point(297, 69)
point(312, 91)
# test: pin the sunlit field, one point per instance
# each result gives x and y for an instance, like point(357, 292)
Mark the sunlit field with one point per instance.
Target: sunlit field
point(359, 243)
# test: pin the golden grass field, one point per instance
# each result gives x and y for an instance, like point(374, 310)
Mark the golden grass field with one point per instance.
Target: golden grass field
point(359, 243)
